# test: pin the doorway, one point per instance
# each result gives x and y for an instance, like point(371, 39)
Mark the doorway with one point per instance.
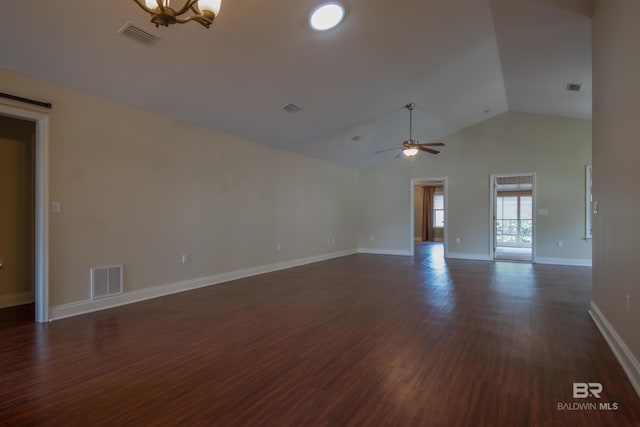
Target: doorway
point(428, 212)
point(17, 219)
point(40, 265)
point(513, 228)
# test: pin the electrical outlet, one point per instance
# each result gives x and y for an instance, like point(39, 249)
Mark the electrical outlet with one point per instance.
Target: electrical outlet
point(628, 303)
point(278, 247)
point(371, 237)
point(185, 258)
point(559, 243)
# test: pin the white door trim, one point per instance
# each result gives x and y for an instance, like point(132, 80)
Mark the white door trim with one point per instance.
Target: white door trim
point(41, 121)
point(445, 187)
point(492, 209)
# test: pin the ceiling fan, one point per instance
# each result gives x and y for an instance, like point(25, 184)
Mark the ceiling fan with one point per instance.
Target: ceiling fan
point(411, 147)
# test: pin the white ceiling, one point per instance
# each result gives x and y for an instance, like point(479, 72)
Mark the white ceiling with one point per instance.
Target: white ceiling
point(455, 59)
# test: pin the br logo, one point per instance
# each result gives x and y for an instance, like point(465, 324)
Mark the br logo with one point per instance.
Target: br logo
point(585, 390)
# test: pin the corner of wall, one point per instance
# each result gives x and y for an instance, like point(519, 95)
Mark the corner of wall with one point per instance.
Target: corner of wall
point(627, 360)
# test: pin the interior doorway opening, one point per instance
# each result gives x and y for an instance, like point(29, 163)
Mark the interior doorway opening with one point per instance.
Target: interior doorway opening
point(513, 219)
point(429, 212)
point(40, 205)
point(17, 220)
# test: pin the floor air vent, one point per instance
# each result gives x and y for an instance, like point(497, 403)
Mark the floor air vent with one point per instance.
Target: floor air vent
point(106, 281)
point(138, 34)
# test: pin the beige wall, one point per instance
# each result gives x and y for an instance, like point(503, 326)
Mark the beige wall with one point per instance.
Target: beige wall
point(141, 189)
point(616, 131)
point(557, 149)
point(17, 195)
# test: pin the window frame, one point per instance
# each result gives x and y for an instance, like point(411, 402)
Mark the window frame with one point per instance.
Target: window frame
point(434, 210)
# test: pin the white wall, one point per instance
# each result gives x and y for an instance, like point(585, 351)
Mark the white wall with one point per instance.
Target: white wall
point(557, 149)
point(141, 189)
point(616, 172)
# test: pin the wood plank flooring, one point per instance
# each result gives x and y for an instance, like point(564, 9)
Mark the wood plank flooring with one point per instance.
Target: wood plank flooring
point(364, 340)
point(17, 315)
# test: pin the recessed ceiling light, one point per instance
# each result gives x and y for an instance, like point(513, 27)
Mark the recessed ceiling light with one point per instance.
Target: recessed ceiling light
point(326, 16)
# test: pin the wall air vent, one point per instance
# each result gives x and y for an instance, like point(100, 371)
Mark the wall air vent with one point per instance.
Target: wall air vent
point(574, 87)
point(138, 34)
point(291, 108)
point(106, 281)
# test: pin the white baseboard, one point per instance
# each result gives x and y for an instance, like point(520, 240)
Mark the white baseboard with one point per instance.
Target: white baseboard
point(626, 358)
point(88, 306)
point(384, 251)
point(16, 299)
point(578, 262)
point(473, 257)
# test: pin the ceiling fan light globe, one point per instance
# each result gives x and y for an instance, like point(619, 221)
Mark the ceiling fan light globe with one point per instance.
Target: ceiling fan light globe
point(410, 152)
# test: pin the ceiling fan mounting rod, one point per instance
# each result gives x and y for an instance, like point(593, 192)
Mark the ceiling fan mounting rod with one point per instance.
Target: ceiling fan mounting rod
point(410, 108)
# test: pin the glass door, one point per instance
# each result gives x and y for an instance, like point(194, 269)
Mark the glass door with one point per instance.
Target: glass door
point(513, 226)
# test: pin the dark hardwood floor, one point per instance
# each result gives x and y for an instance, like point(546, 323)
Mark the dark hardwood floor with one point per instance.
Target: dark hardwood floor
point(360, 340)
point(17, 315)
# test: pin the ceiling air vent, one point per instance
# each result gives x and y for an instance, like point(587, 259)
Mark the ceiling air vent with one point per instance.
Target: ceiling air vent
point(138, 34)
point(574, 87)
point(291, 108)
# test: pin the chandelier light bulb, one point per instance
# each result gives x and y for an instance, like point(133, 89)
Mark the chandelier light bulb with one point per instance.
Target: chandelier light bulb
point(210, 6)
point(153, 4)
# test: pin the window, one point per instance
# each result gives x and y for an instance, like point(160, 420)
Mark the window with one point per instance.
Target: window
point(514, 219)
point(438, 210)
point(588, 232)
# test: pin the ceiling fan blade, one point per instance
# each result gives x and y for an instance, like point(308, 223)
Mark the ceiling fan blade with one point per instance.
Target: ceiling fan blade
point(389, 149)
point(428, 150)
point(432, 144)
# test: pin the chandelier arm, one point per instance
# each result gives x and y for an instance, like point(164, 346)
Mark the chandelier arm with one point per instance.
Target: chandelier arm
point(144, 7)
point(187, 5)
point(197, 18)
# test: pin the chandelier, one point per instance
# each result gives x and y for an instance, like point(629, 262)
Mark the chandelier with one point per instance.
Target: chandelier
point(162, 13)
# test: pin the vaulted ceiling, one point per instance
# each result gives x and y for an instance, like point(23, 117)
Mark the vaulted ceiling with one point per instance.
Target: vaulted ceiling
point(460, 61)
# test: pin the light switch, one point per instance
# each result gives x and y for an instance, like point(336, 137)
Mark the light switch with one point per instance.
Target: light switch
point(55, 207)
point(543, 212)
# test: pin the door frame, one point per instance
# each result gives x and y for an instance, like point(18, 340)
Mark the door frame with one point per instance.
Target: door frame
point(493, 199)
point(41, 284)
point(445, 190)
